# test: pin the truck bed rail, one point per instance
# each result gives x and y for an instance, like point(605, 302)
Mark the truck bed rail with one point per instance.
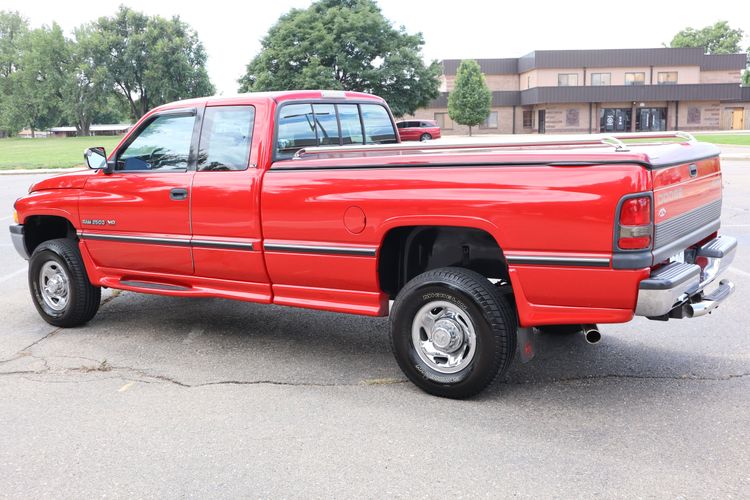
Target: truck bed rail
point(614, 140)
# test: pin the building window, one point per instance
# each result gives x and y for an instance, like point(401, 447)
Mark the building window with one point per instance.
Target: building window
point(528, 117)
point(567, 79)
point(666, 78)
point(635, 78)
point(528, 82)
point(444, 121)
point(491, 121)
point(601, 78)
point(572, 118)
point(694, 115)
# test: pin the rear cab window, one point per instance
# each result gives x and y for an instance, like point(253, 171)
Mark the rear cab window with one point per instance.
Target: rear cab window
point(302, 125)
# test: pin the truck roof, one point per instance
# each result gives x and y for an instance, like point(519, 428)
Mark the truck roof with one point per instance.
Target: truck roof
point(275, 96)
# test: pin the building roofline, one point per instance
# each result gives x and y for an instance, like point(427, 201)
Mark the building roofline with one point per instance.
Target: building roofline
point(722, 92)
point(601, 58)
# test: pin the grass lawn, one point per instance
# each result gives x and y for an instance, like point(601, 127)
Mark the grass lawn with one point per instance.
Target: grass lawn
point(50, 152)
point(734, 139)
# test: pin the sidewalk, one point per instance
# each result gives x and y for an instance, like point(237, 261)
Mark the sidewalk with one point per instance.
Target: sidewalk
point(735, 152)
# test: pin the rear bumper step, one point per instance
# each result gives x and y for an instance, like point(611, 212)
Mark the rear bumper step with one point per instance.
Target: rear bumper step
point(677, 289)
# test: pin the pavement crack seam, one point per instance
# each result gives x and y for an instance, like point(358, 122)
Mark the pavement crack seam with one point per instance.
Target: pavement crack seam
point(179, 383)
point(103, 366)
point(22, 352)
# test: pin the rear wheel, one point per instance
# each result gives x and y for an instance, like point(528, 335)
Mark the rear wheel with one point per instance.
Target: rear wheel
point(452, 332)
point(425, 137)
point(59, 285)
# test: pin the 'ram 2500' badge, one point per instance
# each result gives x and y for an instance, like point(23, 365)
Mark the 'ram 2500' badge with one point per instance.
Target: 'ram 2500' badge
point(98, 222)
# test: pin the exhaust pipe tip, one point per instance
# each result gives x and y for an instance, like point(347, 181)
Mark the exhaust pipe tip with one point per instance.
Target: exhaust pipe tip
point(592, 334)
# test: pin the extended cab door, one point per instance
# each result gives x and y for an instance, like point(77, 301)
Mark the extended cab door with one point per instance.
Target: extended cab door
point(137, 218)
point(225, 198)
point(318, 247)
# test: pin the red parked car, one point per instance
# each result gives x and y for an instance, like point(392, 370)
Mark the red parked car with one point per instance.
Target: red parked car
point(307, 199)
point(418, 130)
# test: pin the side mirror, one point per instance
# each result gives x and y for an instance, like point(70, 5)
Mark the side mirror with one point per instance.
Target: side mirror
point(96, 158)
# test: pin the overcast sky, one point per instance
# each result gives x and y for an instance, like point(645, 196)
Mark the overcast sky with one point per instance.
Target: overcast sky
point(459, 29)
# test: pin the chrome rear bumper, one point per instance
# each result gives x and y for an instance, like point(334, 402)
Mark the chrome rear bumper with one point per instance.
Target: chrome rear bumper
point(677, 289)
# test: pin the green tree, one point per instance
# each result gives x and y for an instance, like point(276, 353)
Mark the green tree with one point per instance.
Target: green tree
point(88, 91)
point(41, 78)
point(344, 44)
point(718, 38)
point(470, 102)
point(13, 28)
point(150, 60)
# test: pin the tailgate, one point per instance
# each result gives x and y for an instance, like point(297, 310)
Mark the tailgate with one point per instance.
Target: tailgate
point(687, 205)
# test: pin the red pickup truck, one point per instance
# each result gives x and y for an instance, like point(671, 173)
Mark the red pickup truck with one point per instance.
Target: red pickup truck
point(308, 199)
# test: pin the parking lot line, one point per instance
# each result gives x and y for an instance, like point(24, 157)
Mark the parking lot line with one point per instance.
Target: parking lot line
point(12, 275)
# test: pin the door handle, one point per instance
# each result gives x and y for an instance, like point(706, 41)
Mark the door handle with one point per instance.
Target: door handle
point(178, 194)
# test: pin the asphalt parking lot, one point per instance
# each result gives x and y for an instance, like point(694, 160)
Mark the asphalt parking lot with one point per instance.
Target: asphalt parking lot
point(165, 397)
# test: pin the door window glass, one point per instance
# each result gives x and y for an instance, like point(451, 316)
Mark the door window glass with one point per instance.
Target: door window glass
point(225, 138)
point(378, 125)
point(164, 145)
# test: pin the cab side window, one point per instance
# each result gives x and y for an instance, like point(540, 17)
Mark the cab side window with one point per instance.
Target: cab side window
point(226, 135)
point(163, 145)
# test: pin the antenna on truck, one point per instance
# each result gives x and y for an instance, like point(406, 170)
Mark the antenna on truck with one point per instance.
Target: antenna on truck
point(614, 140)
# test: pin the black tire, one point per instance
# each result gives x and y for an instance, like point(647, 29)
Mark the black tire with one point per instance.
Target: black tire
point(83, 298)
point(493, 320)
point(425, 137)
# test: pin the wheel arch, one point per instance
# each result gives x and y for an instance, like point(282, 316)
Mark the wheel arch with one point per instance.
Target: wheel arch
point(41, 228)
point(411, 249)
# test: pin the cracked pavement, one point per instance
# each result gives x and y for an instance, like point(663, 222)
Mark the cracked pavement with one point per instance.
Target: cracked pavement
point(167, 397)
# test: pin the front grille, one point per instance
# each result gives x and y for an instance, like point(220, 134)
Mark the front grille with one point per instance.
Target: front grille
point(673, 229)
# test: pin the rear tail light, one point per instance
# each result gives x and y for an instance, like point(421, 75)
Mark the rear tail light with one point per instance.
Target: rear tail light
point(636, 227)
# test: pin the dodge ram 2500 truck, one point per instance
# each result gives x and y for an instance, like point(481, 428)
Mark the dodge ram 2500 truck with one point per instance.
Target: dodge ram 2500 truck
point(309, 199)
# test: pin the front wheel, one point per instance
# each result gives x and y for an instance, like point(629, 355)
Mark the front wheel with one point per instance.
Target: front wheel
point(452, 332)
point(59, 285)
point(425, 137)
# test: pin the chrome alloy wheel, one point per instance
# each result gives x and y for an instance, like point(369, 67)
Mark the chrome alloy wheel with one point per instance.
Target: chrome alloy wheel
point(443, 336)
point(54, 285)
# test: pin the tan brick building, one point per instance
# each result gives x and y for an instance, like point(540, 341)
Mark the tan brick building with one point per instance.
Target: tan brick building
point(620, 90)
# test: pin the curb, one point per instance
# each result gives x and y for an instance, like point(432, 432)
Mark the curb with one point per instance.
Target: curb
point(31, 171)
